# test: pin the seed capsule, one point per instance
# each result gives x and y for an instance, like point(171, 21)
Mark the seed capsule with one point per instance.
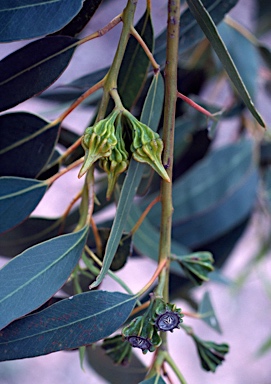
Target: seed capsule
point(98, 141)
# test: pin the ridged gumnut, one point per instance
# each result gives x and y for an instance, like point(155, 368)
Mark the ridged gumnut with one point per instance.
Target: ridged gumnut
point(98, 141)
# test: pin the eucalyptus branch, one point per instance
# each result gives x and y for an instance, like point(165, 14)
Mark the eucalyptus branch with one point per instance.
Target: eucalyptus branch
point(196, 106)
point(75, 164)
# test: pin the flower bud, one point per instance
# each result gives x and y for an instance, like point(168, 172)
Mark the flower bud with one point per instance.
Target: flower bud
point(142, 334)
point(146, 146)
point(98, 141)
point(117, 162)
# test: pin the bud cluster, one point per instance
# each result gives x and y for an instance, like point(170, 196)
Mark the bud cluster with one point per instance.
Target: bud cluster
point(142, 332)
point(104, 141)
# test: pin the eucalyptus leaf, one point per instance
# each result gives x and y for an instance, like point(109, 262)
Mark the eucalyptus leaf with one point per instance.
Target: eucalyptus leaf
point(190, 31)
point(27, 143)
point(208, 26)
point(18, 198)
point(76, 25)
point(207, 313)
point(31, 278)
point(14, 14)
point(79, 320)
point(32, 68)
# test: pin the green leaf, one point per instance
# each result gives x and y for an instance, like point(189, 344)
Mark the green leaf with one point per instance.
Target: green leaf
point(13, 15)
point(76, 25)
point(152, 108)
point(79, 320)
point(18, 198)
point(190, 31)
point(207, 25)
point(32, 68)
point(31, 278)
point(207, 313)
point(135, 63)
point(26, 144)
point(157, 379)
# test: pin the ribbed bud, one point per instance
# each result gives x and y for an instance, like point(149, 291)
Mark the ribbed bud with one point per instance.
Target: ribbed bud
point(98, 141)
point(146, 146)
point(117, 162)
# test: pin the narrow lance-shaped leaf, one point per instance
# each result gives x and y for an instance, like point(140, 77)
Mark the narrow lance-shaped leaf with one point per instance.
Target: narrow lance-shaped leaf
point(207, 312)
point(31, 278)
point(79, 320)
point(207, 25)
point(190, 31)
point(31, 69)
point(24, 19)
point(27, 143)
point(18, 198)
point(150, 115)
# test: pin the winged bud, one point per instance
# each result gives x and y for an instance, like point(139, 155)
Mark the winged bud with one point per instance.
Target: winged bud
point(197, 266)
point(98, 141)
point(141, 333)
point(146, 145)
point(166, 317)
point(117, 162)
point(211, 354)
point(117, 349)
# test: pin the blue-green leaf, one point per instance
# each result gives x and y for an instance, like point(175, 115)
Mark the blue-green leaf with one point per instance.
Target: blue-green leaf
point(33, 68)
point(157, 379)
point(207, 313)
point(26, 19)
point(151, 111)
point(18, 198)
point(27, 143)
point(208, 26)
point(190, 31)
point(31, 278)
point(70, 323)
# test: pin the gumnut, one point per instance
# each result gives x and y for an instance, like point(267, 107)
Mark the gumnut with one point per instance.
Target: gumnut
point(165, 316)
point(117, 162)
point(98, 141)
point(141, 333)
point(146, 145)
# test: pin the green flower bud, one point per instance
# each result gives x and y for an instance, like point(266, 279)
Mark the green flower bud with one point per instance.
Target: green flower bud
point(197, 266)
point(117, 162)
point(142, 334)
point(166, 317)
point(117, 349)
point(211, 354)
point(98, 141)
point(147, 146)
